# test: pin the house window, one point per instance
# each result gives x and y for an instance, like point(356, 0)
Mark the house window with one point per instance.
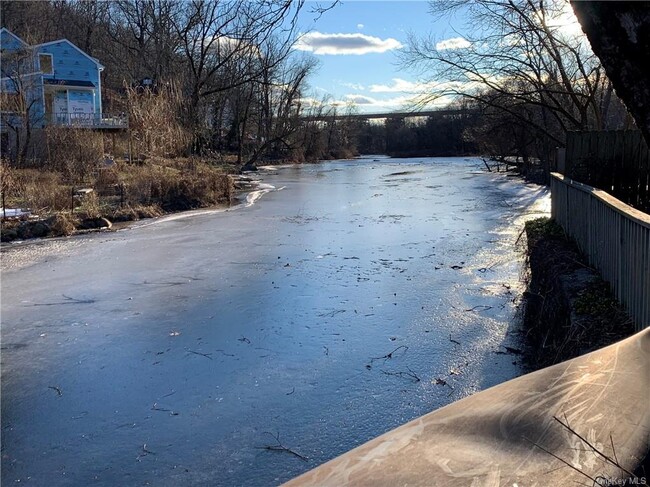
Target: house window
point(45, 62)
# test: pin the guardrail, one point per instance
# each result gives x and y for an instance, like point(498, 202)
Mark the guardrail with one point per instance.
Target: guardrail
point(614, 236)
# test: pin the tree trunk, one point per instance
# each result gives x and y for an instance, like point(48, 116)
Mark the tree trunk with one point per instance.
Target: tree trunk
point(619, 35)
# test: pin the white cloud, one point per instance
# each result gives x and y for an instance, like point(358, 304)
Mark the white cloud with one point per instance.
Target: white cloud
point(354, 86)
point(418, 89)
point(360, 26)
point(453, 43)
point(399, 85)
point(367, 104)
point(320, 43)
point(360, 100)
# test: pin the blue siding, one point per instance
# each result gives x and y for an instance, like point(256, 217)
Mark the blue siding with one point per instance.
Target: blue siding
point(76, 78)
point(9, 41)
point(70, 64)
point(20, 64)
point(33, 89)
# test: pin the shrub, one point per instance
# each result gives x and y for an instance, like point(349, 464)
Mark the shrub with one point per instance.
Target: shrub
point(76, 153)
point(62, 224)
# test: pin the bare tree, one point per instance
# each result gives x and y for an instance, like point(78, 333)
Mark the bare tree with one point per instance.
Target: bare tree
point(518, 57)
point(144, 38)
point(223, 40)
point(19, 98)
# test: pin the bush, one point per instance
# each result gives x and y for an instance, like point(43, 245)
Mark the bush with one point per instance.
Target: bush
point(41, 190)
point(176, 185)
point(62, 224)
point(75, 153)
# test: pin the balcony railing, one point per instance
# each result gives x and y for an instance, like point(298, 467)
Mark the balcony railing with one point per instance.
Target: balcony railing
point(89, 120)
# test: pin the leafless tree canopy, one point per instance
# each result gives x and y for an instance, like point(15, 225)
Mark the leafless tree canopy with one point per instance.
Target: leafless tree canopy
point(522, 63)
point(230, 62)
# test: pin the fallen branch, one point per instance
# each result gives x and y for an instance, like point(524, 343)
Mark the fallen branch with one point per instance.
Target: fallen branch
point(487, 165)
point(513, 351)
point(409, 374)
point(390, 354)
point(331, 314)
point(562, 460)
point(280, 447)
point(480, 307)
point(68, 300)
point(145, 452)
point(226, 354)
point(156, 408)
point(594, 449)
point(58, 391)
point(206, 355)
point(520, 235)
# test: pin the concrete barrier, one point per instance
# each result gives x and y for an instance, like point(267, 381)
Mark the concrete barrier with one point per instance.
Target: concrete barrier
point(511, 434)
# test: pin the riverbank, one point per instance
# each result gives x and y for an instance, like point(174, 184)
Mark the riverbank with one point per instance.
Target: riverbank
point(568, 309)
point(119, 192)
point(43, 204)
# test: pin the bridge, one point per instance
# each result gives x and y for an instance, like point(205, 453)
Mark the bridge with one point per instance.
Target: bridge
point(404, 114)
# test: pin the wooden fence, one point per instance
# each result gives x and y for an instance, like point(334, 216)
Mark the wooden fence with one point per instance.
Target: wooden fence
point(614, 236)
point(616, 161)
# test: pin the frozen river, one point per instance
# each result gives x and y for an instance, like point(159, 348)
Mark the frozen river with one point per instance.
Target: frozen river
point(351, 298)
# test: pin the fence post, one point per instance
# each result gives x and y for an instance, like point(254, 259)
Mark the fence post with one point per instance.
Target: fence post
point(560, 160)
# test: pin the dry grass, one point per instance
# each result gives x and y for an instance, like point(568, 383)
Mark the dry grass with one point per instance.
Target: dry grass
point(43, 191)
point(62, 224)
point(122, 192)
point(178, 184)
point(131, 213)
point(155, 120)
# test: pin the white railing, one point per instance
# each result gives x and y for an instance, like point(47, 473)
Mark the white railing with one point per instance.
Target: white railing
point(614, 236)
point(89, 120)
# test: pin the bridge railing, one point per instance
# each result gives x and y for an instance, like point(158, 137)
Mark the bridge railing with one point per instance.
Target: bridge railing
point(614, 236)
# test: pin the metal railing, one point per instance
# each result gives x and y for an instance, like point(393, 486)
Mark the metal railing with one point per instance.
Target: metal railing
point(614, 237)
point(89, 120)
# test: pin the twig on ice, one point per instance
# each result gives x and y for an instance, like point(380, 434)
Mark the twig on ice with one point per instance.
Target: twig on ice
point(280, 447)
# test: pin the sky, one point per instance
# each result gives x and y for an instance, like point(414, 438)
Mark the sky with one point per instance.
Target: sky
point(356, 44)
point(357, 41)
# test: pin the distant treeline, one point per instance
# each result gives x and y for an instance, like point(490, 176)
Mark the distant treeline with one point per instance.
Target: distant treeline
point(447, 135)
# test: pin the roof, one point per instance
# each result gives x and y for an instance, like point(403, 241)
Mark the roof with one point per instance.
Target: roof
point(99, 65)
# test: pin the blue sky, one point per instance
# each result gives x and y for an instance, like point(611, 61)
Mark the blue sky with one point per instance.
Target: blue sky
point(356, 44)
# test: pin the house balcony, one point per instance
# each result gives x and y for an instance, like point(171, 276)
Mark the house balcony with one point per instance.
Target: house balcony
point(97, 121)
